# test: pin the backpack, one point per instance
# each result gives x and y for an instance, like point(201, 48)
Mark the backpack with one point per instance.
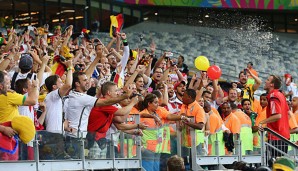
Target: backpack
point(14, 77)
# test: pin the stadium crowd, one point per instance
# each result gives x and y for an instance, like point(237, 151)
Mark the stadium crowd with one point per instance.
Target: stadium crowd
point(71, 83)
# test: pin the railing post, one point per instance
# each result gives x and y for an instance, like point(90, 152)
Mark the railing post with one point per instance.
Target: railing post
point(263, 148)
point(122, 144)
point(178, 130)
point(36, 150)
point(238, 149)
point(138, 141)
point(220, 166)
point(193, 147)
point(82, 150)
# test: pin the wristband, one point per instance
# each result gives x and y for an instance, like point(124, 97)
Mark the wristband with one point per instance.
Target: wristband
point(69, 68)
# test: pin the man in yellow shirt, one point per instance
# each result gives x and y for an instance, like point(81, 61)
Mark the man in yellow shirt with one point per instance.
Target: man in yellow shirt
point(9, 102)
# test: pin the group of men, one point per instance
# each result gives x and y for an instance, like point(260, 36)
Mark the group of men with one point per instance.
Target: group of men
point(76, 85)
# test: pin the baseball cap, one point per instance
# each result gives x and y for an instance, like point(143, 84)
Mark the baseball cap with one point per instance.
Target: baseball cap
point(26, 61)
point(177, 84)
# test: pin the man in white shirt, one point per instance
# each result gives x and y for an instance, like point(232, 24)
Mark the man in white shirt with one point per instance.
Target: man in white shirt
point(53, 100)
point(80, 104)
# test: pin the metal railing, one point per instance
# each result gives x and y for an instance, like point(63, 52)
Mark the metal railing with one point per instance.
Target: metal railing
point(59, 151)
point(268, 148)
point(253, 157)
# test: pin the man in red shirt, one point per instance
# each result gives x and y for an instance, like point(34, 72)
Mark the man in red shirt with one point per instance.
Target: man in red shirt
point(277, 115)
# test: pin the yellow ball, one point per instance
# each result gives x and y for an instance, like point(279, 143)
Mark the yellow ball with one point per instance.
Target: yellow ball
point(25, 128)
point(202, 63)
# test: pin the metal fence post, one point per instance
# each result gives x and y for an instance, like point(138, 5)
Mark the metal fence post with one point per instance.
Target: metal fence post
point(36, 151)
point(178, 138)
point(238, 149)
point(82, 143)
point(220, 166)
point(122, 144)
point(263, 148)
point(138, 141)
point(193, 147)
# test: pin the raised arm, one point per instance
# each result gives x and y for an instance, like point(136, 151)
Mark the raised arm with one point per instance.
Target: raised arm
point(215, 89)
point(122, 113)
point(4, 64)
point(40, 73)
point(67, 86)
point(258, 81)
point(33, 93)
point(89, 71)
point(111, 101)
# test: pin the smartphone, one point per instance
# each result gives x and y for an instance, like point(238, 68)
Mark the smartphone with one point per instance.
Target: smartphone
point(169, 54)
point(31, 28)
point(198, 74)
point(245, 71)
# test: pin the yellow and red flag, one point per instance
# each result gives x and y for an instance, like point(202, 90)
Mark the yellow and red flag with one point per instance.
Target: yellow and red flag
point(58, 68)
point(116, 24)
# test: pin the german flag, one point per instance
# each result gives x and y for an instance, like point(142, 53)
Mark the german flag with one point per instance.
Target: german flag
point(116, 78)
point(116, 24)
point(58, 68)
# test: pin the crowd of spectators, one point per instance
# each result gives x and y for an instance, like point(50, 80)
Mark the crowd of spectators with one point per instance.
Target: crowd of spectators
point(71, 83)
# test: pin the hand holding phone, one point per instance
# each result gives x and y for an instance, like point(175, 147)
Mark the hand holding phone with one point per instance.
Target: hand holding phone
point(169, 54)
point(245, 71)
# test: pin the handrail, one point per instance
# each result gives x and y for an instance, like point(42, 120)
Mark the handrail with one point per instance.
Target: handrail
point(281, 137)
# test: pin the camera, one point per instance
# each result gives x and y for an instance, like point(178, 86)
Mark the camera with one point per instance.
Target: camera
point(245, 71)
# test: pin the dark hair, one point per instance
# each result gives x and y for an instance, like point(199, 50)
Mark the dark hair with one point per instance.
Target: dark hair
point(137, 77)
point(106, 87)
point(191, 93)
point(264, 94)
point(241, 165)
point(97, 45)
point(50, 81)
point(182, 57)
point(205, 92)
point(244, 100)
point(175, 163)
point(250, 63)
point(226, 103)
point(157, 93)
point(276, 81)
point(232, 105)
point(240, 73)
point(75, 78)
point(148, 99)
point(25, 70)
point(20, 84)
point(156, 69)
